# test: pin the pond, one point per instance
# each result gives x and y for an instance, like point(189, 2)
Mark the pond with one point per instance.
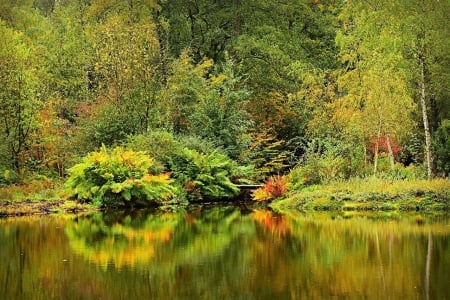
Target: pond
point(224, 253)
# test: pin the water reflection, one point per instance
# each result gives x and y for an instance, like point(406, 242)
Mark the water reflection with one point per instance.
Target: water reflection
point(224, 253)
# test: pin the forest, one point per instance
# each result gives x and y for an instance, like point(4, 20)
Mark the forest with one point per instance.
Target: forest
point(193, 96)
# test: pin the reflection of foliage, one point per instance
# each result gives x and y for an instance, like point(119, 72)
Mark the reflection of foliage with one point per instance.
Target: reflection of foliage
point(121, 241)
point(275, 223)
point(221, 252)
point(213, 232)
point(108, 177)
point(172, 238)
point(299, 252)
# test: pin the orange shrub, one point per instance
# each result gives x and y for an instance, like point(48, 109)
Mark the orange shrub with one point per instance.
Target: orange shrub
point(274, 187)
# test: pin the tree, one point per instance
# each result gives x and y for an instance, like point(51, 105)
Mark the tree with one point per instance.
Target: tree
point(375, 82)
point(267, 40)
point(426, 43)
point(126, 51)
point(221, 117)
point(69, 52)
point(186, 87)
point(18, 94)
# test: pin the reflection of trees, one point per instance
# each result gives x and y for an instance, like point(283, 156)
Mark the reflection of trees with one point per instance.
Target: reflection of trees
point(316, 256)
point(222, 253)
point(181, 253)
point(34, 260)
point(121, 240)
point(173, 238)
point(428, 266)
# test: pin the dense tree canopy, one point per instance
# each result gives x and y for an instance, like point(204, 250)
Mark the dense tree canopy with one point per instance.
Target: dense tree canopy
point(272, 84)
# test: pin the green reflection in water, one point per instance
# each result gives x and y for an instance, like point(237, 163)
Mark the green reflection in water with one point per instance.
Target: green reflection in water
point(224, 253)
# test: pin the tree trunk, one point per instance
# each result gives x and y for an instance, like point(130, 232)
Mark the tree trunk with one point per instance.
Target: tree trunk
point(163, 42)
point(390, 153)
point(377, 146)
point(426, 126)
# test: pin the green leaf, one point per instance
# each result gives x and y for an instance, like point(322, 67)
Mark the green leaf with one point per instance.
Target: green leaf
point(126, 194)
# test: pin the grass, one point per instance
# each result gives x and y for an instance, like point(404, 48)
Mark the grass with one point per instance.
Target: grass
point(34, 190)
point(37, 196)
point(371, 194)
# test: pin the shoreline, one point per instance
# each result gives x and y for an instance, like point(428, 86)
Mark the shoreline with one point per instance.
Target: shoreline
point(357, 195)
point(41, 207)
point(370, 195)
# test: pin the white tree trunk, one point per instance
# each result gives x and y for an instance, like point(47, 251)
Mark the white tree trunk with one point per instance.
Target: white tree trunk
point(391, 154)
point(377, 147)
point(429, 154)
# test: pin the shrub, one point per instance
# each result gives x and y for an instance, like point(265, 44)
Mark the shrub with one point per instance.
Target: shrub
point(296, 178)
point(197, 143)
point(8, 177)
point(163, 146)
point(410, 172)
point(441, 143)
point(118, 177)
point(268, 154)
point(322, 169)
point(160, 145)
point(204, 176)
point(324, 161)
point(274, 187)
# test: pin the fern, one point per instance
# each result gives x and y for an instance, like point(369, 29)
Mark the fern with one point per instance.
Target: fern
point(118, 176)
point(204, 176)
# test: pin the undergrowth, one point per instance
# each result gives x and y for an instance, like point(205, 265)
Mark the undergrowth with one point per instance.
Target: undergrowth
point(38, 189)
point(371, 194)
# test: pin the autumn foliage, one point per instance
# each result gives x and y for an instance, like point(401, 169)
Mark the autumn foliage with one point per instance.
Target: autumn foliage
point(274, 187)
point(118, 177)
point(383, 145)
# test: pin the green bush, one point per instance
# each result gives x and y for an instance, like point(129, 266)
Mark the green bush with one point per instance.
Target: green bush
point(410, 172)
point(322, 163)
point(204, 176)
point(160, 145)
point(220, 117)
point(196, 143)
point(296, 178)
point(118, 177)
point(8, 177)
point(441, 145)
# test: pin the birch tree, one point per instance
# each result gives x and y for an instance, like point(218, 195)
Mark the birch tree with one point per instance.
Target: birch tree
point(375, 82)
point(426, 44)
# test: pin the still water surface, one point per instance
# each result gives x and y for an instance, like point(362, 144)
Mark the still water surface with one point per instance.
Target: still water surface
point(224, 253)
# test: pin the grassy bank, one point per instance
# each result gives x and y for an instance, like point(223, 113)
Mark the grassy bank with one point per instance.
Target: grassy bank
point(41, 207)
point(356, 195)
point(37, 196)
point(371, 194)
